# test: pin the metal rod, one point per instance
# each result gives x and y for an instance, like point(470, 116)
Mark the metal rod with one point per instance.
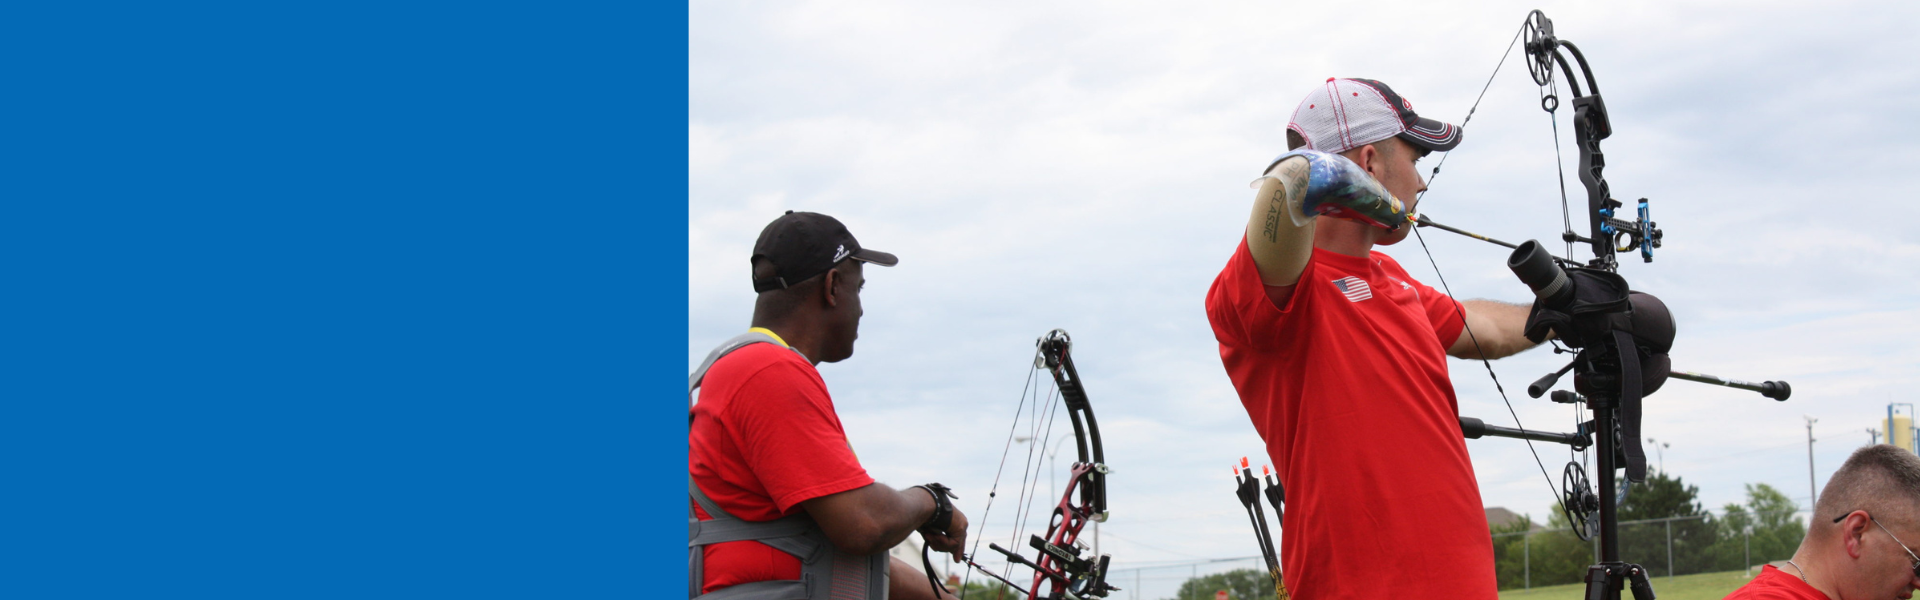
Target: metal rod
point(1423, 221)
point(1474, 429)
point(1813, 496)
point(1604, 422)
point(1777, 390)
point(988, 572)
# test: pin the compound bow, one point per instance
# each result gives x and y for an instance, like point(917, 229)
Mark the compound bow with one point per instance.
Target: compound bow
point(1610, 371)
point(1607, 234)
point(1062, 563)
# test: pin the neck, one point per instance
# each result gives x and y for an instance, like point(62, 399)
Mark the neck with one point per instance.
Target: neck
point(797, 335)
point(1343, 236)
point(1807, 562)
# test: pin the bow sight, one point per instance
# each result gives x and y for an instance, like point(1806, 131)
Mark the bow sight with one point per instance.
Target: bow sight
point(1619, 337)
point(1607, 232)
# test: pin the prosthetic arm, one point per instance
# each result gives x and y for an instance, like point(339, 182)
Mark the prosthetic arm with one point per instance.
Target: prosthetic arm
point(1299, 186)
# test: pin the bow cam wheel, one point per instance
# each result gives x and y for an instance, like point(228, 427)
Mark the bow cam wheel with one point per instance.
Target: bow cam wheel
point(1578, 502)
point(1540, 47)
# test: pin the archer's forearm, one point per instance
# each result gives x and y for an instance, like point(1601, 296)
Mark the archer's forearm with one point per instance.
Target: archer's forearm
point(1281, 244)
point(870, 519)
point(1498, 327)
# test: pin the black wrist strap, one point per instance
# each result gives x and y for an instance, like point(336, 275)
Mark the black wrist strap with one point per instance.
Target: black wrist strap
point(942, 508)
point(938, 523)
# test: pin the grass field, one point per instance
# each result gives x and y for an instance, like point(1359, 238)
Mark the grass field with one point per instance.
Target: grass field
point(1704, 586)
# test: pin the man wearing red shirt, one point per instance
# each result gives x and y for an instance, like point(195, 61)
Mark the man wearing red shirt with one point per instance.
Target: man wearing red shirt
point(1855, 547)
point(1339, 357)
point(767, 450)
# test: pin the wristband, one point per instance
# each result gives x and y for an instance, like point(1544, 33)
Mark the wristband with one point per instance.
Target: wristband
point(942, 509)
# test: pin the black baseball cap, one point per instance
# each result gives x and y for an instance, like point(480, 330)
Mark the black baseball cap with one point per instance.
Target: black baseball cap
point(802, 245)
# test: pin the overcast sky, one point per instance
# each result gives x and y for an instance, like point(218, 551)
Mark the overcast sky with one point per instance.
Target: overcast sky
point(1084, 165)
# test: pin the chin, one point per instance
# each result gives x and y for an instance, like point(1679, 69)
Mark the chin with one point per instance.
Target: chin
point(1395, 237)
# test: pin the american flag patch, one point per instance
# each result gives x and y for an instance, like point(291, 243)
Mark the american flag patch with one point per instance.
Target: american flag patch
point(1355, 288)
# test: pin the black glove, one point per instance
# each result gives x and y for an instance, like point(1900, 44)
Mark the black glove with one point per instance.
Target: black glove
point(1594, 291)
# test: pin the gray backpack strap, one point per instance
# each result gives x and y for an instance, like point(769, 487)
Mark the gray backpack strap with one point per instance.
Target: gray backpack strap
point(825, 571)
point(762, 590)
point(786, 534)
point(739, 341)
point(707, 504)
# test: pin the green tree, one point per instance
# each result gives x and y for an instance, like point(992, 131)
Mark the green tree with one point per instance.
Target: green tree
point(1557, 555)
point(1664, 496)
point(1240, 584)
point(988, 590)
point(1765, 526)
point(1511, 552)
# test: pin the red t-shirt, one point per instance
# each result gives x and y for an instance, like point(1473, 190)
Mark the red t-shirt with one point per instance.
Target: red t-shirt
point(1347, 383)
point(1775, 584)
point(764, 439)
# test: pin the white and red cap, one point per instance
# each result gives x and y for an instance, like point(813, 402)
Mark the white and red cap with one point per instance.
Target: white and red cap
point(1348, 113)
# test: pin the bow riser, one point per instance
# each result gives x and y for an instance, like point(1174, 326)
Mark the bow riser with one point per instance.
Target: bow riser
point(1059, 563)
point(1059, 556)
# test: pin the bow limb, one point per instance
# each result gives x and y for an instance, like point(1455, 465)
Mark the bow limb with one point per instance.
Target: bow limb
point(1061, 571)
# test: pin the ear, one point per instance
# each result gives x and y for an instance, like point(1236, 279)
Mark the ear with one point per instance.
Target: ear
point(1853, 533)
point(1369, 159)
point(830, 287)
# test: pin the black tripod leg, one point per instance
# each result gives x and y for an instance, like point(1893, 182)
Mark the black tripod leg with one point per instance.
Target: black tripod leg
point(1604, 581)
point(1601, 584)
point(1642, 588)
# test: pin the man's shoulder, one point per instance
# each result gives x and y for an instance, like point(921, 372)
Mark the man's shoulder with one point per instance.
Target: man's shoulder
point(1774, 584)
point(755, 360)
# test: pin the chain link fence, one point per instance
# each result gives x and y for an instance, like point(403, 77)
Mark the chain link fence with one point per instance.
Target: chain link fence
point(1526, 555)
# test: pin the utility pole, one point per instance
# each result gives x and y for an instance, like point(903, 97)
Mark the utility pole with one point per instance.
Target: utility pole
point(1813, 495)
point(1875, 433)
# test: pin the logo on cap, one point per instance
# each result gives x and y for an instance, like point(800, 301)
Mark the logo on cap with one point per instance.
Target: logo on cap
point(841, 252)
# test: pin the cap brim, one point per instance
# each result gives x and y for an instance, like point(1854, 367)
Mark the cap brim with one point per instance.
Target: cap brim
point(876, 257)
point(1433, 135)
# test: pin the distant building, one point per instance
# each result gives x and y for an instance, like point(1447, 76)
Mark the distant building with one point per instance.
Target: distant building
point(1899, 427)
point(1498, 517)
point(908, 551)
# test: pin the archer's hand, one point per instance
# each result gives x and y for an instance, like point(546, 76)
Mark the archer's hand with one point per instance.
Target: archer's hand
point(953, 541)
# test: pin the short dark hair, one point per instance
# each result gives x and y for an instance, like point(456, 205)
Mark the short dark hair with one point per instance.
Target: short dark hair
point(1881, 477)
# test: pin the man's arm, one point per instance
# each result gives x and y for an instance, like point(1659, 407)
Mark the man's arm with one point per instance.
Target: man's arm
point(1498, 326)
point(873, 518)
point(907, 583)
point(1280, 247)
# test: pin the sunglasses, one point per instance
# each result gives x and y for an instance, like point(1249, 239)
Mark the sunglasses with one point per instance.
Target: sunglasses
point(1896, 540)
